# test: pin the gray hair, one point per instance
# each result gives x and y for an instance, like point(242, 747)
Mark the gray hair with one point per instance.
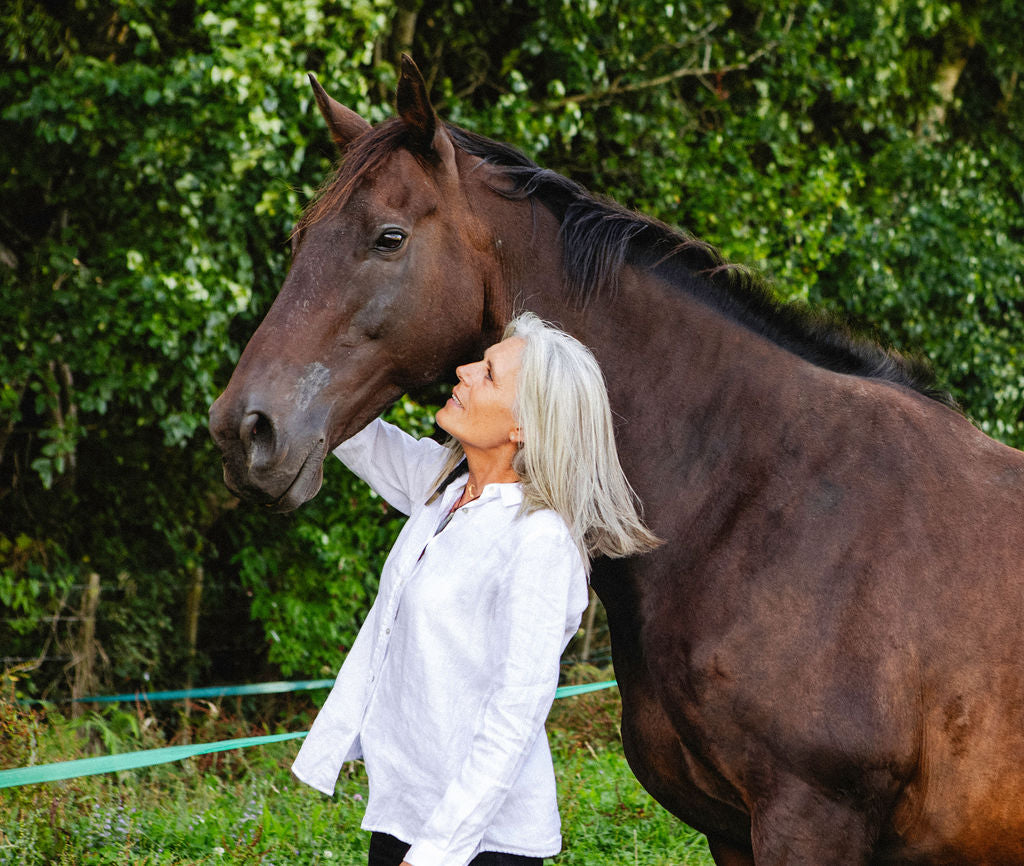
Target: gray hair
point(567, 460)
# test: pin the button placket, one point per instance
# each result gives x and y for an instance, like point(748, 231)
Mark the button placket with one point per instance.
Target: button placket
point(383, 636)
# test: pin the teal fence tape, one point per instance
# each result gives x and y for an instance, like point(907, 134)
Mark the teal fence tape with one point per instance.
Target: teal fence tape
point(570, 691)
point(268, 689)
point(129, 760)
point(150, 757)
point(212, 692)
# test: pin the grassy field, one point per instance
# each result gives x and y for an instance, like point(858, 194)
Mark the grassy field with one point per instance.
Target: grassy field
point(243, 806)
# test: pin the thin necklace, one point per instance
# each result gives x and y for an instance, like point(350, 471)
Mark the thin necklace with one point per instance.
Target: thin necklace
point(456, 506)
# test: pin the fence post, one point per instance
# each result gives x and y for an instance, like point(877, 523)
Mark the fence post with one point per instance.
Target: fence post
point(192, 608)
point(84, 654)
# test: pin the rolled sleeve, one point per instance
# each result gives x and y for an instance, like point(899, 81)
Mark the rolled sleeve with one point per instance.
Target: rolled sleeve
point(399, 467)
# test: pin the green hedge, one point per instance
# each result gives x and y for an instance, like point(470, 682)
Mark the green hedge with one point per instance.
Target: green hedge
point(866, 155)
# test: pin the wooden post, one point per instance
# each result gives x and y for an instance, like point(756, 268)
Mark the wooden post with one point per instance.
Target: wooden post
point(192, 608)
point(84, 654)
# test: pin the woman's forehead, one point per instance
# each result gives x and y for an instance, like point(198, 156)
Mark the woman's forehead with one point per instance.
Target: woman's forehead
point(506, 356)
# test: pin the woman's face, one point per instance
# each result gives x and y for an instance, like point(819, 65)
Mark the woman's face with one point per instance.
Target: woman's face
point(479, 412)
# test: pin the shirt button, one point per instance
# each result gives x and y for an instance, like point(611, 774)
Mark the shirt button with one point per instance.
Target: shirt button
point(387, 631)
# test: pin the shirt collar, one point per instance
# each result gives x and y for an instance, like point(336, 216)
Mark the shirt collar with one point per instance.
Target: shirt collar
point(510, 493)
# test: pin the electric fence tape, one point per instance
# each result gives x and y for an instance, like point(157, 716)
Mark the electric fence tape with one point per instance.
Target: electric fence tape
point(212, 692)
point(150, 757)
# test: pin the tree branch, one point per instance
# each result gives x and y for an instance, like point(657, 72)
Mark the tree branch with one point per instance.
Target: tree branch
point(700, 71)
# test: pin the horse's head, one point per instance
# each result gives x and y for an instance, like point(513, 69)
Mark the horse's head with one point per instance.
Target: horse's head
point(387, 292)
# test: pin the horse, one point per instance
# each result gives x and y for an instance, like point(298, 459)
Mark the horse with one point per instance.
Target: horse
point(824, 662)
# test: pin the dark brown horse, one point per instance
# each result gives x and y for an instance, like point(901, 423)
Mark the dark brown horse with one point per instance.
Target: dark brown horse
point(825, 662)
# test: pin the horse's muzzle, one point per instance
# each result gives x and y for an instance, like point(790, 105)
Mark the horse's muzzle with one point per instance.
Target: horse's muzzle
point(264, 461)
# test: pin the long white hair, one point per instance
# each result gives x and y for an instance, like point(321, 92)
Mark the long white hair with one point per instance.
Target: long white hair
point(567, 460)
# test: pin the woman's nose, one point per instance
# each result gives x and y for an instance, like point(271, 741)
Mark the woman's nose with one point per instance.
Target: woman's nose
point(466, 372)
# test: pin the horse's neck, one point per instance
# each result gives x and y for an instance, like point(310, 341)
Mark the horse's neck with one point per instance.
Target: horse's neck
point(692, 391)
point(695, 395)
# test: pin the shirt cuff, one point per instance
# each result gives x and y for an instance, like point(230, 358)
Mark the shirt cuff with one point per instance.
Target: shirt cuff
point(428, 854)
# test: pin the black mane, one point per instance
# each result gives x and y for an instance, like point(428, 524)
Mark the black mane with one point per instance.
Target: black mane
point(600, 236)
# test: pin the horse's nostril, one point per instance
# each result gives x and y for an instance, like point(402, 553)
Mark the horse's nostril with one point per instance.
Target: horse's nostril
point(257, 433)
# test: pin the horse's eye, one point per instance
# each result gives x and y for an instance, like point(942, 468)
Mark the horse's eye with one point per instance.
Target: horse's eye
point(390, 240)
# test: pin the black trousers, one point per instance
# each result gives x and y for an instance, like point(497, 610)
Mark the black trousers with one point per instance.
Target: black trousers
point(386, 850)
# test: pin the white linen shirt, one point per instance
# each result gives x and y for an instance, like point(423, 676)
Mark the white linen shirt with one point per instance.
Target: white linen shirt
point(448, 684)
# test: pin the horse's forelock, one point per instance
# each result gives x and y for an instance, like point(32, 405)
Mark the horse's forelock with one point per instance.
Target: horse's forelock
point(361, 160)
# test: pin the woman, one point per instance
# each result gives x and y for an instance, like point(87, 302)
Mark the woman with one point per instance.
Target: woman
point(448, 684)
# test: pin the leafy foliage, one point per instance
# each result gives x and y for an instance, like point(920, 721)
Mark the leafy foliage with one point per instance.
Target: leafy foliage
point(867, 155)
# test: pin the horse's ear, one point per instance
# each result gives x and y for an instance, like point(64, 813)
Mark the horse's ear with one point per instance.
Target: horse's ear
point(344, 124)
point(427, 132)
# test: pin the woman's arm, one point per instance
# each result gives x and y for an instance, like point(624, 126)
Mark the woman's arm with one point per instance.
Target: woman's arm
point(400, 468)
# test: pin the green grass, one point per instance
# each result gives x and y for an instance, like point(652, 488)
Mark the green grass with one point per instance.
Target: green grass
point(244, 807)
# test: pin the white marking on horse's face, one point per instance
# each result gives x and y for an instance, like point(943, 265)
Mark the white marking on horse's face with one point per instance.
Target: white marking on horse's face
point(315, 377)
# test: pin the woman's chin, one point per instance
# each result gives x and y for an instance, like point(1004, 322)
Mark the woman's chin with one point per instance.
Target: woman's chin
point(441, 418)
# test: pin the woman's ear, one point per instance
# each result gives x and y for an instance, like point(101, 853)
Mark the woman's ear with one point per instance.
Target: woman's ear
point(516, 436)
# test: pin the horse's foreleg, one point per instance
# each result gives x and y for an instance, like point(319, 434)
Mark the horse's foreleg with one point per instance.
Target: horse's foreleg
point(726, 854)
point(800, 826)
